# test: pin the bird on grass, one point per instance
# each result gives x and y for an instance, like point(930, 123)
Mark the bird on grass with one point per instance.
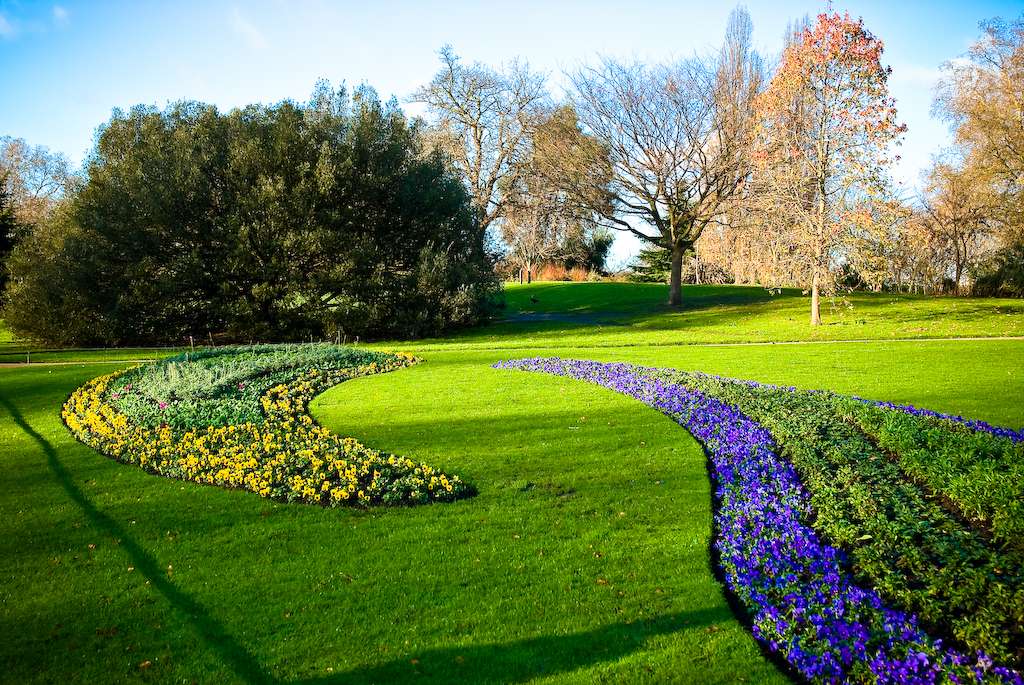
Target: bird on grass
point(533, 299)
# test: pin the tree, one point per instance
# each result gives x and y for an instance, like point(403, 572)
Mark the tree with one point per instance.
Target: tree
point(875, 244)
point(50, 294)
point(660, 151)
point(34, 178)
point(542, 221)
point(588, 248)
point(957, 208)
point(9, 229)
point(826, 125)
point(531, 229)
point(983, 97)
point(271, 223)
point(653, 264)
point(484, 122)
point(1002, 274)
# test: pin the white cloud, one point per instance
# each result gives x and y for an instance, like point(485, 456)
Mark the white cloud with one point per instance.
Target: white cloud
point(916, 75)
point(6, 28)
point(247, 30)
point(60, 15)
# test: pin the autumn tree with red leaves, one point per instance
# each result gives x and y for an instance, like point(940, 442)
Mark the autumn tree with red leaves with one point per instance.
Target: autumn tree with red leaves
point(826, 127)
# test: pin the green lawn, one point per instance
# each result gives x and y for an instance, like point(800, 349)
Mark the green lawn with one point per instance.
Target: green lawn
point(583, 558)
point(619, 314)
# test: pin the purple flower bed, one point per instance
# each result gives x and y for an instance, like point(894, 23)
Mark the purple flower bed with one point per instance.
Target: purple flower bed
point(802, 602)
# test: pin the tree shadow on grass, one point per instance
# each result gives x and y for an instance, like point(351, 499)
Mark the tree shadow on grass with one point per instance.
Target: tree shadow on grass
point(524, 660)
point(233, 654)
point(517, 661)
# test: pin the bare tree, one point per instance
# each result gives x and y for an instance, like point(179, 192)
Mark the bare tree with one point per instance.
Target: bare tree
point(542, 221)
point(484, 122)
point(958, 208)
point(660, 151)
point(532, 232)
point(35, 178)
point(983, 97)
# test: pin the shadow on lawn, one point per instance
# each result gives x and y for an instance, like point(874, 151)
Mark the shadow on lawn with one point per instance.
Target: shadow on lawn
point(508, 662)
point(605, 306)
point(231, 652)
point(523, 660)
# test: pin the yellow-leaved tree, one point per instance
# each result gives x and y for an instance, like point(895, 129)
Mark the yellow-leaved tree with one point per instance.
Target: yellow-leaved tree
point(826, 128)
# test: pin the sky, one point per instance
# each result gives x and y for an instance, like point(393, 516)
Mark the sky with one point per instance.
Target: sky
point(64, 66)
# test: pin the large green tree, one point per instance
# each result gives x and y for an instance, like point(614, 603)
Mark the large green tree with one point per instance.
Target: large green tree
point(264, 223)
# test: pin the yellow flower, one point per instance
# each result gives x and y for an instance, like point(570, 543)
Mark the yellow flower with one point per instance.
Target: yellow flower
point(287, 453)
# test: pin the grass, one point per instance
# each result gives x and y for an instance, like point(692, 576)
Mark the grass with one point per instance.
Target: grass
point(584, 557)
point(622, 314)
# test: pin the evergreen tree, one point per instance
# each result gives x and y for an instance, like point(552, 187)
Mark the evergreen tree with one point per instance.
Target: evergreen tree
point(266, 223)
point(8, 229)
point(652, 264)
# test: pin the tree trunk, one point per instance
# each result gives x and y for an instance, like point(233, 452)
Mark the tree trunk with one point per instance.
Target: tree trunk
point(696, 266)
point(675, 284)
point(815, 301)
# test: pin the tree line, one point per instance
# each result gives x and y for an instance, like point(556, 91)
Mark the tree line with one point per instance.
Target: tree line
point(674, 153)
point(961, 234)
point(341, 216)
point(728, 169)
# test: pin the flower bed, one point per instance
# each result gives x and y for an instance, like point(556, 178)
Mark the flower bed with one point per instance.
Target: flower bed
point(977, 471)
point(973, 466)
point(803, 601)
point(910, 543)
point(285, 455)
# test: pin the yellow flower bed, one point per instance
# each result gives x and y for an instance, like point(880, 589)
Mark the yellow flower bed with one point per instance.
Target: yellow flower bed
point(286, 457)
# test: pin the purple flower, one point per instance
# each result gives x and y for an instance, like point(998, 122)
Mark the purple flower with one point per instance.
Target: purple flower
point(803, 601)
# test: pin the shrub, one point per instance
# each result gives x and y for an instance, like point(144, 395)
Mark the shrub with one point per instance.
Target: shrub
point(1002, 275)
point(553, 271)
point(265, 223)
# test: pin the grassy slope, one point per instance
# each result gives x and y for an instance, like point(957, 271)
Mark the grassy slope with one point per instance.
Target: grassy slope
point(616, 314)
point(578, 488)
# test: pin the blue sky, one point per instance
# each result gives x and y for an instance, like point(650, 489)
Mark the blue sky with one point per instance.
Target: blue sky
point(65, 65)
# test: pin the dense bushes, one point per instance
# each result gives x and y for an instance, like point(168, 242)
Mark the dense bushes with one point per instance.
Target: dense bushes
point(1002, 275)
point(265, 223)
